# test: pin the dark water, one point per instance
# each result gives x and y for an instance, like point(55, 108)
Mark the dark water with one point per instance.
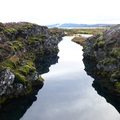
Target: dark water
point(68, 93)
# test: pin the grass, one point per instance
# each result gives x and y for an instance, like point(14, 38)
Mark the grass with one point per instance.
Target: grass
point(79, 39)
point(93, 31)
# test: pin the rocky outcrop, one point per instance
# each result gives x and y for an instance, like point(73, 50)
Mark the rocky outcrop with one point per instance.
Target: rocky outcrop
point(22, 46)
point(21, 104)
point(104, 50)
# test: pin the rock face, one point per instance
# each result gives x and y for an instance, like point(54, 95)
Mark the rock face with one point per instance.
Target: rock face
point(21, 104)
point(104, 50)
point(102, 84)
point(22, 46)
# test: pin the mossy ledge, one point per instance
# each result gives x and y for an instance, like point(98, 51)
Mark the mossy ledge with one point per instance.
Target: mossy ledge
point(21, 45)
point(104, 49)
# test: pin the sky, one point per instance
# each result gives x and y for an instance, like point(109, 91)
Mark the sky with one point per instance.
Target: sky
point(46, 12)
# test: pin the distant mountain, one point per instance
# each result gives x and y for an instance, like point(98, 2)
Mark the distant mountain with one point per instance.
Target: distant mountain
point(74, 25)
point(53, 25)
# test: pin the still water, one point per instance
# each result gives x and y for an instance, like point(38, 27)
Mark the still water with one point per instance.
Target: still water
point(68, 93)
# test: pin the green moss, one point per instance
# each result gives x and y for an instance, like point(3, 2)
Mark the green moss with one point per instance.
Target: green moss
point(33, 39)
point(116, 75)
point(24, 26)
point(29, 56)
point(40, 52)
point(30, 63)
point(26, 69)
point(2, 100)
point(11, 62)
point(51, 51)
point(16, 45)
point(117, 86)
point(111, 42)
point(108, 60)
point(43, 36)
point(5, 65)
point(14, 61)
point(20, 78)
point(85, 48)
point(40, 79)
point(115, 52)
point(20, 63)
point(100, 38)
point(101, 44)
point(11, 30)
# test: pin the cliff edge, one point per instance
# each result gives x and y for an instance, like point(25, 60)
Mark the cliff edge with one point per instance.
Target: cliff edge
point(22, 46)
point(104, 50)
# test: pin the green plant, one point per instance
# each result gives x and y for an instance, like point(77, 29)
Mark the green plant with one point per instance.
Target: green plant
point(108, 60)
point(116, 75)
point(115, 52)
point(101, 43)
point(117, 86)
point(26, 69)
point(20, 78)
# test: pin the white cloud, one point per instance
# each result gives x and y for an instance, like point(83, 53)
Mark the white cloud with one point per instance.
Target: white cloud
point(59, 11)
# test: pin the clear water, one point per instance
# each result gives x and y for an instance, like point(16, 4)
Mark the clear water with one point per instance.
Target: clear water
point(68, 93)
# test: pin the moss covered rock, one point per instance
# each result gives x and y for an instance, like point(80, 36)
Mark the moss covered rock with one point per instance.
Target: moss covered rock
point(104, 50)
point(21, 46)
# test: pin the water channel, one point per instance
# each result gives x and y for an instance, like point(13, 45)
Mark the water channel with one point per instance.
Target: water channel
point(68, 93)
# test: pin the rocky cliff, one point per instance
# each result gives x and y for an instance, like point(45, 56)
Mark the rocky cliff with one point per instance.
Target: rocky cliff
point(22, 46)
point(104, 50)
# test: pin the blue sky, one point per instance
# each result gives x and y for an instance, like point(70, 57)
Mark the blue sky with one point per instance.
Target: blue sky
point(46, 12)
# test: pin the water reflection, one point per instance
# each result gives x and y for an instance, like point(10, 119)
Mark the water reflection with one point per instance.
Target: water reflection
point(101, 84)
point(44, 62)
point(14, 109)
point(67, 93)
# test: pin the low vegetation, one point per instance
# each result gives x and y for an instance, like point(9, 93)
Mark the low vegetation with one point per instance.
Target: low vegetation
point(93, 31)
point(89, 31)
point(79, 39)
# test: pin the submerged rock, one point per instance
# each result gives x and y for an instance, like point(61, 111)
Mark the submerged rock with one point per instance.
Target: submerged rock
point(22, 45)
